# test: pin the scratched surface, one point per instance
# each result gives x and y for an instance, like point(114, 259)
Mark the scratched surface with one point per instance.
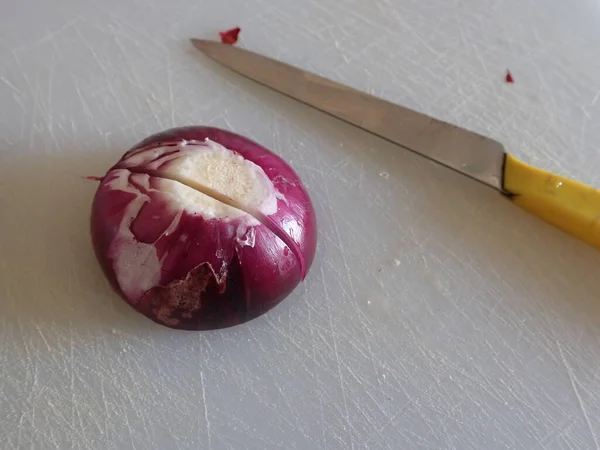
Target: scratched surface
point(436, 316)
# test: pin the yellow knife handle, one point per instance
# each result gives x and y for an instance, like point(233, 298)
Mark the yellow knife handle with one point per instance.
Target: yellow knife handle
point(566, 204)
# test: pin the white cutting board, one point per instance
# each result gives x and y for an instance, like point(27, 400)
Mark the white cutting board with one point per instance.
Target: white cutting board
point(436, 315)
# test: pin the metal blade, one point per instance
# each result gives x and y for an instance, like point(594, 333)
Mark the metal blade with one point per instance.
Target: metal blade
point(469, 153)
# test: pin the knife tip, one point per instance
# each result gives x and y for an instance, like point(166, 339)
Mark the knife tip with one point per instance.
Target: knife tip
point(204, 45)
point(200, 44)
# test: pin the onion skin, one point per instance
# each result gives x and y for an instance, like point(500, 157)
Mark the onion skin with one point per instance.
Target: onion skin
point(188, 272)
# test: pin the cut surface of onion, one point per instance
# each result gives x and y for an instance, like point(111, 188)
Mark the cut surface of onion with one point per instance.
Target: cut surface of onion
point(200, 228)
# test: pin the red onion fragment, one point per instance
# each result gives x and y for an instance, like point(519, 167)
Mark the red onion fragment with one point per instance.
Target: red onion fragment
point(230, 37)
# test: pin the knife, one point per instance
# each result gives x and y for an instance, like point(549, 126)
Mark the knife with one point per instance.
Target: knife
point(567, 204)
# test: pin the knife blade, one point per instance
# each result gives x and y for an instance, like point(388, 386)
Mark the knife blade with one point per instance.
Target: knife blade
point(471, 154)
point(567, 204)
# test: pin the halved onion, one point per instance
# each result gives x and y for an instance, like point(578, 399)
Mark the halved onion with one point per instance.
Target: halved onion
point(199, 228)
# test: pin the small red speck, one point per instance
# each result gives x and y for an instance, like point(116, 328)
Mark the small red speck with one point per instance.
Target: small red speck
point(92, 178)
point(230, 37)
point(509, 78)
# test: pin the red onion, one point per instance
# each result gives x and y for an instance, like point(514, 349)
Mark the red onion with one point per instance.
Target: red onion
point(199, 228)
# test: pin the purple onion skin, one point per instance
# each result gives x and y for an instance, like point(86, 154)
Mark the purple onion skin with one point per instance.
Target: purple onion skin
point(193, 291)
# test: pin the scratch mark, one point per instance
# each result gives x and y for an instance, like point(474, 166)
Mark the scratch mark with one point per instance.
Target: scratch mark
point(573, 380)
point(595, 98)
point(316, 372)
point(554, 434)
point(49, 116)
point(392, 419)
point(137, 82)
point(39, 330)
point(170, 85)
point(338, 360)
point(205, 409)
point(35, 94)
point(72, 375)
point(103, 68)
point(10, 85)
point(20, 428)
point(48, 37)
